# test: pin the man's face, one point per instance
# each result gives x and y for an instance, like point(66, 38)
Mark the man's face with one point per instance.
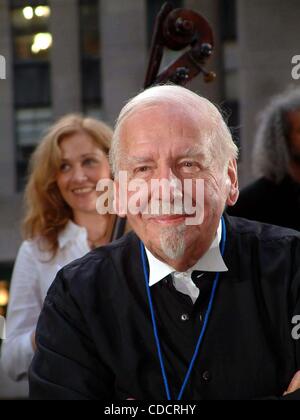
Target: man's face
point(167, 142)
point(294, 144)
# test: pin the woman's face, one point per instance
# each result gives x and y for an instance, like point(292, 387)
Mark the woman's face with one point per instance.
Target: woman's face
point(83, 165)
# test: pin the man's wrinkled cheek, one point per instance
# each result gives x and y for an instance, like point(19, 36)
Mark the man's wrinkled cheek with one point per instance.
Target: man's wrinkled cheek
point(211, 196)
point(215, 189)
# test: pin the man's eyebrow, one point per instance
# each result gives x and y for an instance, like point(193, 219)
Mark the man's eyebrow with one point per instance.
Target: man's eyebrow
point(188, 153)
point(198, 152)
point(193, 151)
point(137, 159)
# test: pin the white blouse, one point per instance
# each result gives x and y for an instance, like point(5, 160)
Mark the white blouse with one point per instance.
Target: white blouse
point(33, 274)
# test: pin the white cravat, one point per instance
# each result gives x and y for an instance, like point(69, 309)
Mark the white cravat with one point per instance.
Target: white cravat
point(211, 261)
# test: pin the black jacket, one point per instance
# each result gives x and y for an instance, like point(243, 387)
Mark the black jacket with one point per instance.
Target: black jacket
point(268, 202)
point(95, 337)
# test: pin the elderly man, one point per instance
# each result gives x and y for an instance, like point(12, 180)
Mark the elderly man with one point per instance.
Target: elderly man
point(175, 310)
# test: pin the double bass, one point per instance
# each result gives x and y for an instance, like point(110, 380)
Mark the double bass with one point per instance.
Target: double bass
point(176, 30)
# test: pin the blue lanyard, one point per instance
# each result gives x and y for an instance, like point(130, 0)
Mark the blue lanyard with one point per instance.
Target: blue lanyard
point(203, 330)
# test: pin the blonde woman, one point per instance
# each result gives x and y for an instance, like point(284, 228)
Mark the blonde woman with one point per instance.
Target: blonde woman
point(61, 224)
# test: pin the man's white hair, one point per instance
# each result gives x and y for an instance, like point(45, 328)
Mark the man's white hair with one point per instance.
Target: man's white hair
point(223, 146)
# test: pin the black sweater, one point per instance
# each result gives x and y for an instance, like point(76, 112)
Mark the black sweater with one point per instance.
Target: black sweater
point(268, 202)
point(95, 338)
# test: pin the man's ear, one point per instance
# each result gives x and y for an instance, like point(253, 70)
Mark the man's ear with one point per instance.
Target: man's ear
point(233, 183)
point(120, 200)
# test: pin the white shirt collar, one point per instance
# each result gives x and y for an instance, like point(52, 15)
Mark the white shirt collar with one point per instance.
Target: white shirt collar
point(70, 234)
point(211, 261)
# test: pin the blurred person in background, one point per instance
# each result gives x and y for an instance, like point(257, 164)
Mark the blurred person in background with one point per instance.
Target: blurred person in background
point(61, 224)
point(275, 197)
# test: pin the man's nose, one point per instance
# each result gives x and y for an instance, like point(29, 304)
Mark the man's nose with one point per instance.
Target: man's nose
point(165, 172)
point(172, 184)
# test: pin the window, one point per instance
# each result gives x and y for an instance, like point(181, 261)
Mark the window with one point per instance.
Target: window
point(32, 43)
point(5, 276)
point(90, 50)
point(228, 22)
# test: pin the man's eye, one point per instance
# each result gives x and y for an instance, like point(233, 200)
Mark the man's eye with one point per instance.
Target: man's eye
point(189, 165)
point(143, 169)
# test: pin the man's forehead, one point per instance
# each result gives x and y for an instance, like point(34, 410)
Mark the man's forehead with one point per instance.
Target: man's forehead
point(166, 111)
point(161, 124)
point(182, 145)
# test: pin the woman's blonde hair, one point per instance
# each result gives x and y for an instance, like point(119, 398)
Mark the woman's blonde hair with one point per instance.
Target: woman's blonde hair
point(47, 214)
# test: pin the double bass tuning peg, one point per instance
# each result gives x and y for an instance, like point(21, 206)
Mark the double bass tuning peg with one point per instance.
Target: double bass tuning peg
point(209, 76)
point(184, 26)
point(206, 50)
point(181, 76)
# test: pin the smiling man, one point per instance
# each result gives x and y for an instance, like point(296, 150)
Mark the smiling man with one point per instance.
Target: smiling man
point(173, 310)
